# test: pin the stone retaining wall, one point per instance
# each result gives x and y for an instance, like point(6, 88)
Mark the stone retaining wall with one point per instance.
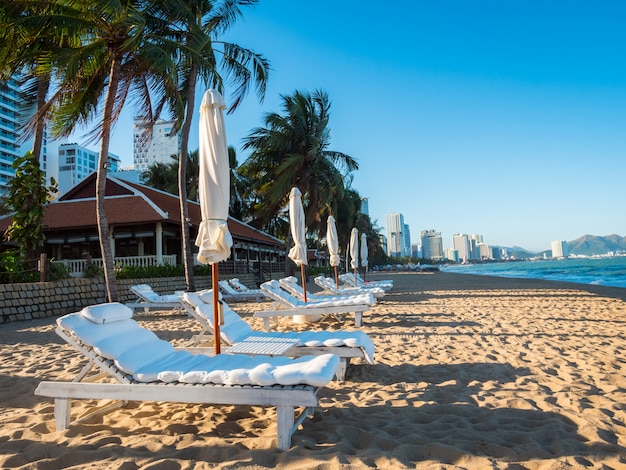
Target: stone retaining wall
point(27, 301)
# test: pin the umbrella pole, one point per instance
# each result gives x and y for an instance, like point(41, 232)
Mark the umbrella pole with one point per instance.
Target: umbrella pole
point(356, 282)
point(336, 278)
point(216, 311)
point(303, 280)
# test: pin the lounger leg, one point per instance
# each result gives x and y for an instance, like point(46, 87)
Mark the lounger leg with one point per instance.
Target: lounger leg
point(62, 408)
point(285, 418)
point(266, 323)
point(358, 319)
point(340, 373)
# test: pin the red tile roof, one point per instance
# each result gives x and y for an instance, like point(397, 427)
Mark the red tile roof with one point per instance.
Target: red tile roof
point(130, 204)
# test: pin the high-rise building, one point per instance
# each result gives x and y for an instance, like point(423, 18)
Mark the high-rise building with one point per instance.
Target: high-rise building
point(395, 235)
point(365, 207)
point(432, 245)
point(460, 243)
point(158, 148)
point(559, 249)
point(13, 115)
point(76, 163)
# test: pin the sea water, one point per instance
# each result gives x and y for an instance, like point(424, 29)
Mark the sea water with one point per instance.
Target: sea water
point(598, 271)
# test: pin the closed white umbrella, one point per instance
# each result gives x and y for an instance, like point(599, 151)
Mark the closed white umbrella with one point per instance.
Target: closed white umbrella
point(364, 254)
point(333, 246)
point(354, 252)
point(298, 252)
point(214, 239)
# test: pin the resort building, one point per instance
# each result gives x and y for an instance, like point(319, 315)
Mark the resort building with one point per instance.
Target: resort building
point(76, 163)
point(145, 229)
point(398, 236)
point(559, 249)
point(432, 245)
point(158, 147)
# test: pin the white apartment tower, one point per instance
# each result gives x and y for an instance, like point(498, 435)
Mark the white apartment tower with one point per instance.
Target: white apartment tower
point(12, 117)
point(395, 235)
point(432, 245)
point(461, 244)
point(159, 148)
point(76, 163)
point(559, 249)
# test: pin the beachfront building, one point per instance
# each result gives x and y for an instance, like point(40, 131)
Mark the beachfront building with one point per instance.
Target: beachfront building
point(452, 255)
point(559, 249)
point(158, 147)
point(484, 251)
point(145, 229)
point(461, 244)
point(432, 245)
point(416, 250)
point(77, 162)
point(397, 236)
point(13, 115)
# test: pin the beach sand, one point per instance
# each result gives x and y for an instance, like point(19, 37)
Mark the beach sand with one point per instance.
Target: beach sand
point(472, 372)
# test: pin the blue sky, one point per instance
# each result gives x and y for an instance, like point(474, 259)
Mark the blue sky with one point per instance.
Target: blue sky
point(501, 118)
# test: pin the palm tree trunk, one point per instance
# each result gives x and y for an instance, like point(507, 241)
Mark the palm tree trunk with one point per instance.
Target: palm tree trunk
point(182, 181)
point(43, 83)
point(103, 223)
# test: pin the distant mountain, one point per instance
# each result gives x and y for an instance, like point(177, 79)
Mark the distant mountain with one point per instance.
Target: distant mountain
point(589, 245)
point(517, 252)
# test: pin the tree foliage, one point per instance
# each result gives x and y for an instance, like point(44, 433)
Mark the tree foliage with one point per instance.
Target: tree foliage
point(28, 197)
point(293, 150)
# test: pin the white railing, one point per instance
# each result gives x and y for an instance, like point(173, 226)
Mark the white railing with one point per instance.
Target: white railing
point(77, 267)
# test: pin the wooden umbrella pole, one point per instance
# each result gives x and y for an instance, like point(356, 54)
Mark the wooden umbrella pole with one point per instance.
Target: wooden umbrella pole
point(356, 283)
point(336, 278)
point(303, 280)
point(216, 311)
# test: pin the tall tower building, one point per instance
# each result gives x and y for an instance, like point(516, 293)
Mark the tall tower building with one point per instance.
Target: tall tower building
point(395, 234)
point(365, 207)
point(432, 245)
point(460, 243)
point(159, 148)
point(559, 249)
point(76, 163)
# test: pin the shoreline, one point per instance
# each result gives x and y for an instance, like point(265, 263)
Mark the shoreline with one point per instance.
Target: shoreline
point(471, 371)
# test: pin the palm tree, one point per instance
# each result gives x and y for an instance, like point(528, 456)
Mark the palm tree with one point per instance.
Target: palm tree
point(238, 185)
point(121, 50)
point(164, 176)
point(22, 43)
point(199, 28)
point(293, 150)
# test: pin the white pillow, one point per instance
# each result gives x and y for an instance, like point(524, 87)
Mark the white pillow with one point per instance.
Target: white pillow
point(107, 313)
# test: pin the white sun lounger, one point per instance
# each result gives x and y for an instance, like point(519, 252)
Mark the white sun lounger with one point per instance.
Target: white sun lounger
point(286, 304)
point(150, 369)
point(345, 344)
point(348, 278)
point(148, 299)
point(330, 287)
point(290, 284)
point(230, 293)
point(241, 287)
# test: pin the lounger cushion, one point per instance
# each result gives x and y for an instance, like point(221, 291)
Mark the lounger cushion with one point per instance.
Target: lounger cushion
point(273, 288)
point(107, 313)
point(235, 329)
point(145, 291)
point(140, 353)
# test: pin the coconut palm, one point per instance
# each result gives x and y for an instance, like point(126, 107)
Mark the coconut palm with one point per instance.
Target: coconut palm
point(293, 150)
point(204, 57)
point(121, 51)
